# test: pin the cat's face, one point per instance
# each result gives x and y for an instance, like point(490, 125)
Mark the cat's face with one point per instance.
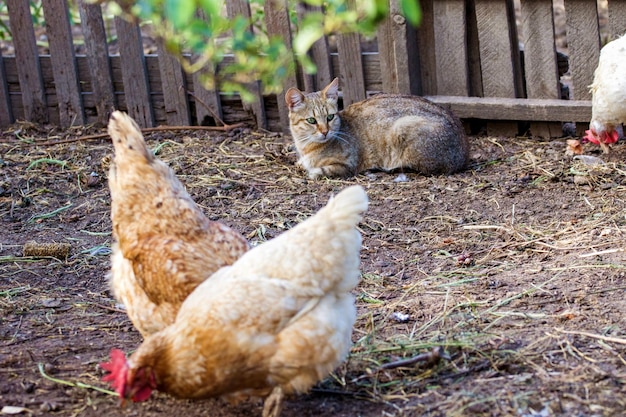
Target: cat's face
point(313, 117)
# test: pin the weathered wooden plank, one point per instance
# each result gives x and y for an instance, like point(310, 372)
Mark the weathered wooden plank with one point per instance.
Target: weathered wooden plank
point(352, 80)
point(541, 69)
point(31, 82)
point(319, 53)
point(6, 112)
point(278, 24)
point(499, 56)
point(617, 19)
point(496, 52)
point(426, 53)
point(475, 77)
point(398, 61)
point(450, 47)
point(542, 77)
point(583, 39)
point(98, 58)
point(205, 96)
point(59, 31)
point(500, 108)
point(207, 102)
point(174, 88)
point(134, 74)
point(236, 8)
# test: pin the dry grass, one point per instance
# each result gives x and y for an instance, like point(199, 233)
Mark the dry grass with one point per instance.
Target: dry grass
point(498, 291)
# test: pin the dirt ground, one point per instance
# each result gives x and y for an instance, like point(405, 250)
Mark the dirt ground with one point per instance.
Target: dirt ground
point(510, 276)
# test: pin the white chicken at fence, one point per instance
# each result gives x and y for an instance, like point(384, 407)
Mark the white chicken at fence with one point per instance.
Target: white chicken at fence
point(608, 95)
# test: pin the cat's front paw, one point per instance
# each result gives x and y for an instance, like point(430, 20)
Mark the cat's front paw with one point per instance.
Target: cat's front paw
point(315, 173)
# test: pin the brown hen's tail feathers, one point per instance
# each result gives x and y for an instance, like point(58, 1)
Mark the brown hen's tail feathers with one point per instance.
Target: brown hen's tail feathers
point(127, 138)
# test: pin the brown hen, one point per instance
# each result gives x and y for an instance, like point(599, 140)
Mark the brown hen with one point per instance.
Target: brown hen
point(164, 245)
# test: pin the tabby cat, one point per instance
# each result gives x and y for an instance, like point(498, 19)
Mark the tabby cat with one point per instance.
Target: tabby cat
point(384, 132)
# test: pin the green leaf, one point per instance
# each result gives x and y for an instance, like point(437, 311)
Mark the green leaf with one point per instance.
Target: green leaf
point(306, 37)
point(376, 10)
point(179, 12)
point(412, 11)
point(307, 63)
point(212, 8)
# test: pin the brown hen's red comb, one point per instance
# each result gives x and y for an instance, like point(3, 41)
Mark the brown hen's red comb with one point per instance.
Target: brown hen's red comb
point(118, 369)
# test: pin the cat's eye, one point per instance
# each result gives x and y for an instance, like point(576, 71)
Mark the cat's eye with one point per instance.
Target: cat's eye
point(330, 117)
point(311, 120)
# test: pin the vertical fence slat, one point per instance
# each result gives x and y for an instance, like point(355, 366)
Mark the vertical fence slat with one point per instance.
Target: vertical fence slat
point(206, 98)
point(174, 88)
point(320, 54)
point(617, 19)
point(277, 22)
point(6, 113)
point(242, 8)
point(64, 69)
point(426, 51)
point(499, 57)
point(451, 48)
point(542, 78)
point(398, 65)
point(351, 65)
point(540, 63)
point(495, 49)
point(134, 74)
point(583, 39)
point(27, 62)
point(351, 68)
point(208, 105)
point(98, 57)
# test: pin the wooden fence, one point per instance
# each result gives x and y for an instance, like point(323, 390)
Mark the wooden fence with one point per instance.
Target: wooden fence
point(492, 60)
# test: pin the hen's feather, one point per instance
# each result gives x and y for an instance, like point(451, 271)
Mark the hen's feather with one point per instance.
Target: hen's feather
point(165, 246)
point(280, 318)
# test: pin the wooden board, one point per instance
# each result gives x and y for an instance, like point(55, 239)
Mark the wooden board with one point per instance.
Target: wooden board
point(320, 54)
point(427, 82)
point(352, 81)
point(497, 108)
point(134, 75)
point(174, 88)
point(26, 55)
point(617, 19)
point(540, 62)
point(98, 57)
point(257, 107)
point(6, 112)
point(583, 39)
point(278, 24)
point(499, 56)
point(398, 61)
point(451, 47)
point(473, 53)
point(542, 78)
point(64, 68)
point(496, 54)
point(207, 102)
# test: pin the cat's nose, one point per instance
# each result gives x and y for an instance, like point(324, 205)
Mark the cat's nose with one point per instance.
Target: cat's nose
point(323, 130)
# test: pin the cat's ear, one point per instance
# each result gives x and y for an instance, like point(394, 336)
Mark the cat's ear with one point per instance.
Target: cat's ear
point(294, 99)
point(332, 90)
